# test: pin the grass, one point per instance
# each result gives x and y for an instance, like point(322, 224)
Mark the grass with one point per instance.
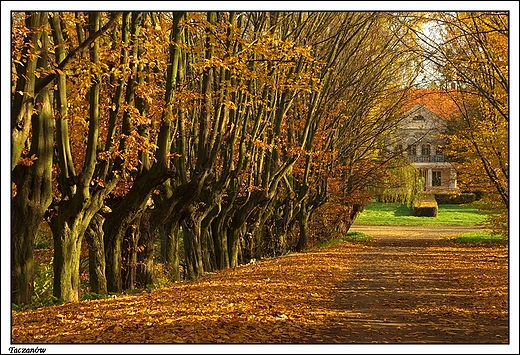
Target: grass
point(480, 237)
point(377, 213)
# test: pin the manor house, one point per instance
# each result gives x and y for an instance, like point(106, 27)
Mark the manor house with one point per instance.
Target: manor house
point(418, 138)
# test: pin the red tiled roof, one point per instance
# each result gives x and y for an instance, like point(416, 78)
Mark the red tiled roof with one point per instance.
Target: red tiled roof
point(440, 102)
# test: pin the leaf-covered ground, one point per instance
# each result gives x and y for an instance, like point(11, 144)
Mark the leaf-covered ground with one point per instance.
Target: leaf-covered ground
point(413, 287)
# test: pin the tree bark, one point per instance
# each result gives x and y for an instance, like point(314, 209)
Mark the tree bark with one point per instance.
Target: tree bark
point(145, 254)
point(303, 222)
point(67, 249)
point(122, 215)
point(33, 196)
point(170, 243)
point(96, 255)
point(192, 248)
point(129, 256)
point(33, 188)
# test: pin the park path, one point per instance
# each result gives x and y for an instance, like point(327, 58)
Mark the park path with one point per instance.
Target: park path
point(414, 286)
point(409, 285)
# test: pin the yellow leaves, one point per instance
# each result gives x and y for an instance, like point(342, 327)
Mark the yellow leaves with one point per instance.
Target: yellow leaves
point(230, 104)
point(261, 144)
point(282, 317)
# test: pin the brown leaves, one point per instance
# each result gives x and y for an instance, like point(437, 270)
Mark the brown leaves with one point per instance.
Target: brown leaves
point(28, 161)
point(341, 294)
point(262, 302)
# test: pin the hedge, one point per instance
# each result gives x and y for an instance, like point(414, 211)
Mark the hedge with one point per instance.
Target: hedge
point(443, 198)
point(426, 207)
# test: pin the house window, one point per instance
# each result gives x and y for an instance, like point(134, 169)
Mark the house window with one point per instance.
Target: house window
point(412, 149)
point(425, 149)
point(436, 178)
point(399, 148)
point(418, 118)
point(438, 150)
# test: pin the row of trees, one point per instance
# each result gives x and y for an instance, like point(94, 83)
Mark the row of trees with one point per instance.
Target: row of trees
point(224, 131)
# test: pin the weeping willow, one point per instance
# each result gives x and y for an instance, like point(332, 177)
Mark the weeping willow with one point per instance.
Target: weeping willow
point(402, 184)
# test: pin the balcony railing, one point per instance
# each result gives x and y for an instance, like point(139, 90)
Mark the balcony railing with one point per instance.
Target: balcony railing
point(427, 158)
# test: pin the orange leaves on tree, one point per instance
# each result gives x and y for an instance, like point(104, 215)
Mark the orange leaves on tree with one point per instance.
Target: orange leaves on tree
point(28, 161)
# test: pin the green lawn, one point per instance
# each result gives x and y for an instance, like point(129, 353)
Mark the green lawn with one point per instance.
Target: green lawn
point(377, 213)
point(480, 237)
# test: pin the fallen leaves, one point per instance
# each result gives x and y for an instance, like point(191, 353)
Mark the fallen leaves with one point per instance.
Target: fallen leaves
point(342, 294)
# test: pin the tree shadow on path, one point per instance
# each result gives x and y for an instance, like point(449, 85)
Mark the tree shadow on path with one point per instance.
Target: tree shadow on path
point(423, 290)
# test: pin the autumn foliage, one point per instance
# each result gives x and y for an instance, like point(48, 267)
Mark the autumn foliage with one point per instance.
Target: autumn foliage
point(203, 139)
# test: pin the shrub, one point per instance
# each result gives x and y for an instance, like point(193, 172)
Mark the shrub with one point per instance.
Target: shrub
point(43, 238)
point(94, 296)
point(444, 198)
point(43, 280)
point(426, 206)
point(37, 303)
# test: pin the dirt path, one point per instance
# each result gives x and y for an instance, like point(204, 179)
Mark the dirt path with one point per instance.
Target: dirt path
point(432, 233)
point(410, 285)
point(413, 286)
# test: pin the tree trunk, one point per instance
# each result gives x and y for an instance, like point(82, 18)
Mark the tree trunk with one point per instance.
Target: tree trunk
point(208, 255)
point(303, 222)
point(208, 246)
point(134, 202)
point(145, 254)
point(170, 243)
point(96, 255)
point(22, 252)
point(233, 237)
point(69, 224)
point(33, 196)
point(72, 215)
point(218, 232)
point(122, 215)
point(192, 248)
point(32, 181)
point(67, 249)
point(129, 256)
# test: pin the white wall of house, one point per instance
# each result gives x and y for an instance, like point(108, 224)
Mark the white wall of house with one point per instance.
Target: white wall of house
point(418, 136)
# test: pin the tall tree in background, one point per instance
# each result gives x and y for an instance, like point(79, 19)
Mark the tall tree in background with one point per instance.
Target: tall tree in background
point(471, 54)
point(366, 72)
